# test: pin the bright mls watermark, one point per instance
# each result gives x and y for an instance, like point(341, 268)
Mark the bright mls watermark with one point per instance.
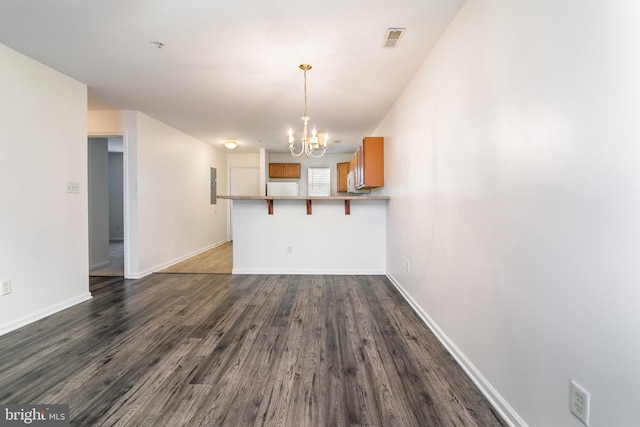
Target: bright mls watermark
point(34, 415)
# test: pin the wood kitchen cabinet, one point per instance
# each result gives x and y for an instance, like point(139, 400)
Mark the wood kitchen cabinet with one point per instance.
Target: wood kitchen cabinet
point(284, 170)
point(343, 170)
point(369, 163)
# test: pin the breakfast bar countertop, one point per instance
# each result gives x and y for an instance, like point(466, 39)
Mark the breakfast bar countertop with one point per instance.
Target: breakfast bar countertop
point(363, 197)
point(347, 200)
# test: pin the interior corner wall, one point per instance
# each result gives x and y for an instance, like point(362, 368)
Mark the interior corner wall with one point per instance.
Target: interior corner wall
point(44, 229)
point(512, 158)
point(176, 219)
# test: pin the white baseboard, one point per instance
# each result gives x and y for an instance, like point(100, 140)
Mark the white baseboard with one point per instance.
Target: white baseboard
point(308, 272)
point(138, 275)
point(495, 399)
point(148, 271)
point(23, 321)
point(99, 265)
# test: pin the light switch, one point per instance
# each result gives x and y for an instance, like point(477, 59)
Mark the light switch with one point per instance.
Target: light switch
point(73, 187)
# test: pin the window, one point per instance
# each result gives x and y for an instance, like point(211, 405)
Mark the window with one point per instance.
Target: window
point(319, 182)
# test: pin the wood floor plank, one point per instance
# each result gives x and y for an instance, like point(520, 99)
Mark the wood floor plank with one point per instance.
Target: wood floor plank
point(159, 390)
point(334, 398)
point(215, 260)
point(236, 350)
point(374, 351)
point(358, 389)
point(418, 391)
point(308, 366)
point(277, 409)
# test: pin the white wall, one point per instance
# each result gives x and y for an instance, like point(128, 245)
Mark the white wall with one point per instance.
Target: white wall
point(243, 160)
point(238, 160)
point(43, 145)
point(168, 215)
point(513, 159)
point(176, 217)
point(326, 242)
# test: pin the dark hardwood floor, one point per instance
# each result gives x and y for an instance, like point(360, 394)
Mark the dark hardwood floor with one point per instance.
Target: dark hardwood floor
point(235, 350)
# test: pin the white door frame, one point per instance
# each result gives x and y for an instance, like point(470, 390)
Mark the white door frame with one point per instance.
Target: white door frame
point(128, 221)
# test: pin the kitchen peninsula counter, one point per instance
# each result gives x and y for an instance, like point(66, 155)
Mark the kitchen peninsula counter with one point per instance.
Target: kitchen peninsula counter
point(331, 236)
point(308, 199)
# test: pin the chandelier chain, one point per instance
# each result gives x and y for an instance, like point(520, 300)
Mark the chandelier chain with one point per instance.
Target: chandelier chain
point(305, 93)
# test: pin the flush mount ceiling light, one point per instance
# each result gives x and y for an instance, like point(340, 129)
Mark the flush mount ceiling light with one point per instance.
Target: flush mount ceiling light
point(230, 145)
point(308, 144)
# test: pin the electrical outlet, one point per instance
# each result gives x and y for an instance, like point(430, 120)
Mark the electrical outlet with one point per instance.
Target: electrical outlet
point(580, 402)
point(289, 250)
point(6, 287)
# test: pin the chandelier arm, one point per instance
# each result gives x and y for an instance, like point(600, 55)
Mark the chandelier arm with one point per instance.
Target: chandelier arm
point(321, 154)
point(294, 154)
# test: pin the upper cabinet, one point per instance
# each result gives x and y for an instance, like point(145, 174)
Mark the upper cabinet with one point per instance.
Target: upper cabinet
point(284, 170)
point(368, 163)
point(343, 170)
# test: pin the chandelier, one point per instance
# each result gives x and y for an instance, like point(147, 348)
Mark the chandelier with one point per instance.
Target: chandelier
point(309, 143)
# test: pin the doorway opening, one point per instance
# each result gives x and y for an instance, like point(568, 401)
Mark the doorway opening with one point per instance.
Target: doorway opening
point(106, 206)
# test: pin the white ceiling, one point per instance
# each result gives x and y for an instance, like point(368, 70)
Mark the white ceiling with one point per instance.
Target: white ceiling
point(229, 69)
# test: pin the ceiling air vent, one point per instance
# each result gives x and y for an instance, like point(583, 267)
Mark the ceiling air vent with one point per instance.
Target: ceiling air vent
point(392, 37)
